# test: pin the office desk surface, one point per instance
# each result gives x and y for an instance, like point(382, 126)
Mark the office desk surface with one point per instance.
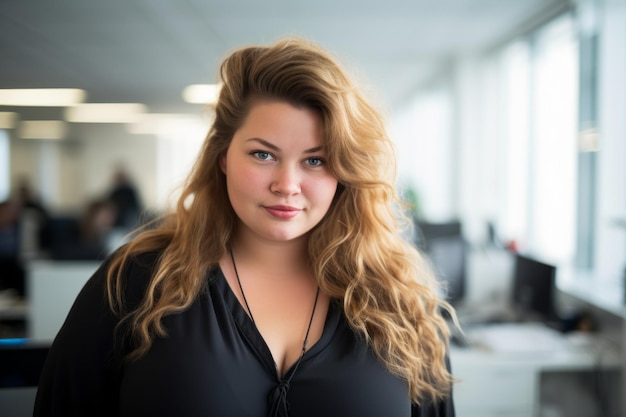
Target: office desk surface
point(503, 378)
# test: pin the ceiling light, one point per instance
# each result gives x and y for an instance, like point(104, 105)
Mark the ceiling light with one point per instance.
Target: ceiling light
point(104, 112)
point(45, 97)
point(7, 119)
point(42, 129)
point(159, 123)
point(202, 93)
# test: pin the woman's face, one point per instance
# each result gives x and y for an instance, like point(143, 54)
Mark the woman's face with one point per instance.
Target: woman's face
point(276, 174)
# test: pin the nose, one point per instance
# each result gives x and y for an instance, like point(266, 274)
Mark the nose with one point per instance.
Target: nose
point(286, 180)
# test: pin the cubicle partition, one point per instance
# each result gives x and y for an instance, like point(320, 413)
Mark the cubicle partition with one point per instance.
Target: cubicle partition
point(53, 287)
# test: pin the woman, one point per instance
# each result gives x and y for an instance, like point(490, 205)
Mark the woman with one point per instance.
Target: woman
point(279, 286)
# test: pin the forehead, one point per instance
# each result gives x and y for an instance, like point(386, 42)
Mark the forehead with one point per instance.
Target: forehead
point(281, 121)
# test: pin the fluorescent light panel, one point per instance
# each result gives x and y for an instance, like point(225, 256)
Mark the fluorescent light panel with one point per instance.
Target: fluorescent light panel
point(42, 129)
point(7, 119)
point(157, 123)
point(105, 112)
point(45, 97)
point(202, 93)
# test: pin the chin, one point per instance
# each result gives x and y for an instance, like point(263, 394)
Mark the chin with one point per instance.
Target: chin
point(285, 235)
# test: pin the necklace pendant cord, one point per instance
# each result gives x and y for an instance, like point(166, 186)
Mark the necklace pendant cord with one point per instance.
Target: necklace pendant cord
point(277, 398)
point(245, 300)
point(243, 294)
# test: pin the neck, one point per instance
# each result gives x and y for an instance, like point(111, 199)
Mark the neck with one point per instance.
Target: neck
point(281, 258)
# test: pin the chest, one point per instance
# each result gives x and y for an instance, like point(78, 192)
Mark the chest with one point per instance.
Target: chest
point(288, 315)
point(213, 363)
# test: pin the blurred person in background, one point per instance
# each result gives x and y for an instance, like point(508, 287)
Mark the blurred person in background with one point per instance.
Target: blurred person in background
point(28, 200)
point(125, 199)
point(33, 220)
point(12, 275)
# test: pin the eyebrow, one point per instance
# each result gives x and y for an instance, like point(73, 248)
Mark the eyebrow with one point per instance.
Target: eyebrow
point(277, 149)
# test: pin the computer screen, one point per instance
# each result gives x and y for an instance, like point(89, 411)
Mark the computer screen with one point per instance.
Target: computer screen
point(448, 257)
point(533, 288)
point(446, 248)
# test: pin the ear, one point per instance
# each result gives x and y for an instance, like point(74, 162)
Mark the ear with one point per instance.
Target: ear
point(223, 162)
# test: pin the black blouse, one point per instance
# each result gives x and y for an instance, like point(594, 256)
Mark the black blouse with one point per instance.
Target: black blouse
point(213, 362)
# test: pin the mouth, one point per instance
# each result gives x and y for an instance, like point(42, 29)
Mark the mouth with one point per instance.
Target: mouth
point(282, 212)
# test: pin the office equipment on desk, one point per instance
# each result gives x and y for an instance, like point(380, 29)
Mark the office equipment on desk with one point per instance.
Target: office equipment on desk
point(446, 248)
point(517, 347)
point(13, 312)
point(503, 369)
point(530, 297)
point(533, 289)
point(513, 352)
point(519, 338)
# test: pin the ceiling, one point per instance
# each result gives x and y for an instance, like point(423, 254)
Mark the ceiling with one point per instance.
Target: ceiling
point(147, 51)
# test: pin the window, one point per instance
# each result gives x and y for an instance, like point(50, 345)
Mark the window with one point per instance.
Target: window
point(537, 140)
point(553, 146)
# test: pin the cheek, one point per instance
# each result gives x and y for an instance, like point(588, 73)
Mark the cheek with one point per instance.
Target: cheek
point(242, 179)
point(323, 191)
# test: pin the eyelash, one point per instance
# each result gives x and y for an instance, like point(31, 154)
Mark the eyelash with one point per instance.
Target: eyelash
point(256, 154)
point(321, 161)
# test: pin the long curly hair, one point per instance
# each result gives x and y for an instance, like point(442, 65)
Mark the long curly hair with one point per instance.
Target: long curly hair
point(358, 255)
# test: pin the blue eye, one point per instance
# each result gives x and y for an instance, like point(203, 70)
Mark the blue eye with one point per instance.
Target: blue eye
point(315, 162)
point(262, 155)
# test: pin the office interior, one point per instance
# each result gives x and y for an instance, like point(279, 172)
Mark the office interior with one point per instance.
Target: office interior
point(512, 159)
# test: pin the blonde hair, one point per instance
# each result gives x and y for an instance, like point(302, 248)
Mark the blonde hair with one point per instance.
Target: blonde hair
point(357, 253)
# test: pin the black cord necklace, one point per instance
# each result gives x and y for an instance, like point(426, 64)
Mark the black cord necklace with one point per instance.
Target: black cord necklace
point(278, 405)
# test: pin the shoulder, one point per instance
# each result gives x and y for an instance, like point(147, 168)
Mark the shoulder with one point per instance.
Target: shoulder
point(135, 273)
point(142, 264)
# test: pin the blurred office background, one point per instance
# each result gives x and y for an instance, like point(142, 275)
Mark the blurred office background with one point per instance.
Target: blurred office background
point(508, 117)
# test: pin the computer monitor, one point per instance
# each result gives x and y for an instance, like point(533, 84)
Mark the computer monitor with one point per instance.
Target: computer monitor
point(533, 288)
point(446, 248)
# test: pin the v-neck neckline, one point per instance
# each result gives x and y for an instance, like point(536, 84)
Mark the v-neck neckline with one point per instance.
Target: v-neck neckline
point(255, 338)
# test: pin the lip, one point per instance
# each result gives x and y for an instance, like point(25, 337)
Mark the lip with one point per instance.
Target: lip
point(282, 212)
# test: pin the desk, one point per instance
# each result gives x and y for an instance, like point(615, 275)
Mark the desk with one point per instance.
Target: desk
point(603, 297)
point(16, 310)
point(501, 383)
